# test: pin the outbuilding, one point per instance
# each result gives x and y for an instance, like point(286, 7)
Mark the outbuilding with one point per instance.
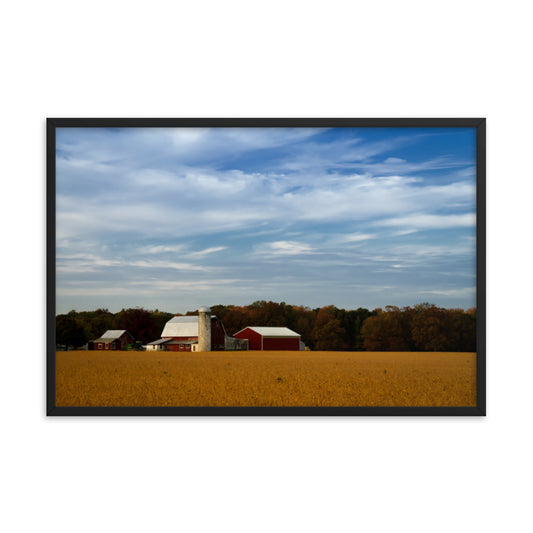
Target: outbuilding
point(112, 339)
point(270, 338)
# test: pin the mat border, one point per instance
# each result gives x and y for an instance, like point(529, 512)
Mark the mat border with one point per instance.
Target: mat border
point(53, 123)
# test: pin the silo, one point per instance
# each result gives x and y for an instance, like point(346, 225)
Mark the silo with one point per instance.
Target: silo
point(204, 329)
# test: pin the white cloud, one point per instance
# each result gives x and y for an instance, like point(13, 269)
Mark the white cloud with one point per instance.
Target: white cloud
point(208, 251)
point(405, 232)
point(143, 201)
point(166, 264)
point(196, 145)
point(395, 165)
point(93, 263)
point(429, 221)
point(284, 248)
point(83, 263)
point(161, 248)
point(356, 237)
point(461, 292)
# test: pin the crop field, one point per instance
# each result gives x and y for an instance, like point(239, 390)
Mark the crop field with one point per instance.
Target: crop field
point(91, 378)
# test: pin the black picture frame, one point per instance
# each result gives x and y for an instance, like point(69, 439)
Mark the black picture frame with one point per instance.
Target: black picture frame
point(478, 123)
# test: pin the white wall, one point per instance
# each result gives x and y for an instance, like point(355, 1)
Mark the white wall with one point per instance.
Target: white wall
point(276, 58)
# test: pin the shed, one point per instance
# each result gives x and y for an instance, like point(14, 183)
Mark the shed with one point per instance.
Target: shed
point(157, 345)
point(270, 338)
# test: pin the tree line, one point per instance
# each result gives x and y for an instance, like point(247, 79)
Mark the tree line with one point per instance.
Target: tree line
point(75, 328)
point(423, 327)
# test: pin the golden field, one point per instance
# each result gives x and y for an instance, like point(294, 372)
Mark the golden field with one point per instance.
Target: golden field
point(91, 378)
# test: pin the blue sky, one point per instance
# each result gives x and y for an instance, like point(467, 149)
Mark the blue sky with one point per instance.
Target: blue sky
point(175, 218)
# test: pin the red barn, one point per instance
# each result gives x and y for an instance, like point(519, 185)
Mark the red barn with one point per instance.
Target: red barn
point(181, 334)
point(113, 339)
point(268, 338)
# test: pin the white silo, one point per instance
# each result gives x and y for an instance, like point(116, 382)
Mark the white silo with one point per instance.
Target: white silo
point(204, 329)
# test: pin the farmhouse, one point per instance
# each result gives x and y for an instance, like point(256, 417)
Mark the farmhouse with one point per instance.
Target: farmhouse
point(270, 338)
point(112, 339)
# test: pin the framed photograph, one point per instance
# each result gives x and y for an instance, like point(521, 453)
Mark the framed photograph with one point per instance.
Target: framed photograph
point(308, 267)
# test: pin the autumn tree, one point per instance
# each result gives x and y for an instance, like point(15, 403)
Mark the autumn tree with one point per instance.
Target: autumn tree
point(461, 330)
point(328, 333)
point(352, 322)
point(139, 322)
point(268, 314)
point(389, 330)
point(304, 321)
point(424, 327)
point(374, 334)
point(329, 336)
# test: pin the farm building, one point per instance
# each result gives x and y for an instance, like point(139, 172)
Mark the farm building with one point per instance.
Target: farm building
point(270, 338)
point(202, 333)
point(112, 339)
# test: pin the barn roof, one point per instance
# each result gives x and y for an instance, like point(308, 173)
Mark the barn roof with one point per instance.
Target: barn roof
point(170, 341)
point(111, 335)
point(272, 331)
point(160, 341)
point(181, 326)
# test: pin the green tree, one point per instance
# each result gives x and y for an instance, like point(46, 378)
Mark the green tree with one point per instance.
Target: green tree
point(98, 322)
point(160, 318)
point(69, 331)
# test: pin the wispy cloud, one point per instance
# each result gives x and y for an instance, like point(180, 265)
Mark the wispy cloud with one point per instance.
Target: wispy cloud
point(460, 292)
point(284, 248)
point(430, 221)
point(161, 249)
point(157, 214)
point(357, 237)
point(167, 264)
point(207, 251)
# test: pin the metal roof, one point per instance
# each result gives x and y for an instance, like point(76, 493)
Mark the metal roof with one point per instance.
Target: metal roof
point(160, 341)
point(113, 333)
point(171, 341)
point(181, 326)
point(272, 331)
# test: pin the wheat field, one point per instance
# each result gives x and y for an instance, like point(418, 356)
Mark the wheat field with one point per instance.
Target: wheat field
point(91, 378)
